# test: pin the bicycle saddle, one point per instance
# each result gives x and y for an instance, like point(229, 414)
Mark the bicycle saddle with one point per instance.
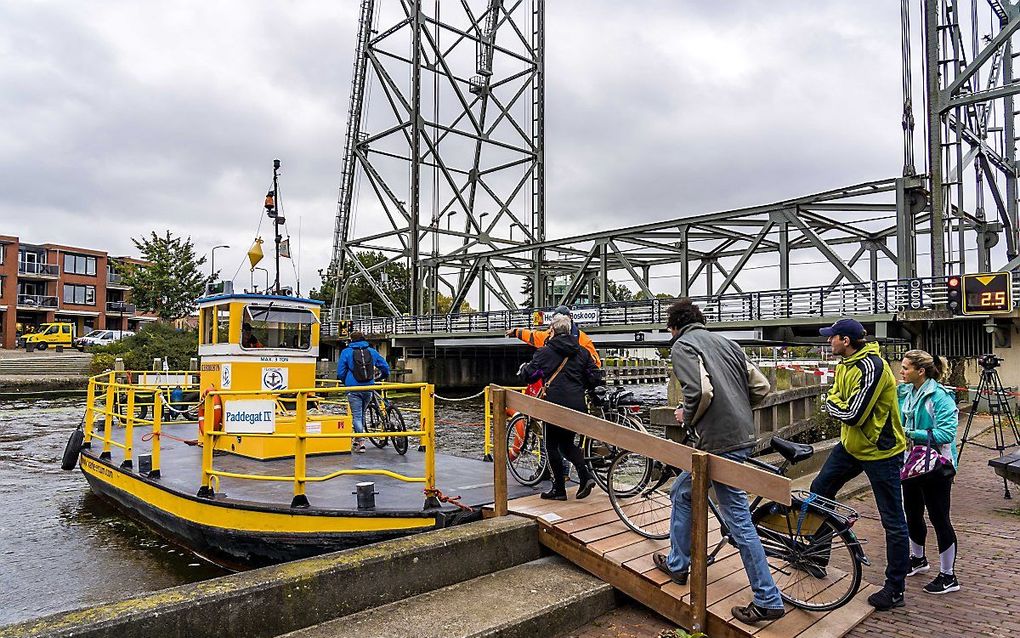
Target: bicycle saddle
point(792, 452)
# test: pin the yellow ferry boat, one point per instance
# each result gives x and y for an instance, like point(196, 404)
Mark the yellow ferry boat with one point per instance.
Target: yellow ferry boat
point(266, 473)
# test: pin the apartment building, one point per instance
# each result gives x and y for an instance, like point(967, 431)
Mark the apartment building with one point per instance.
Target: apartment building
point(40, 283)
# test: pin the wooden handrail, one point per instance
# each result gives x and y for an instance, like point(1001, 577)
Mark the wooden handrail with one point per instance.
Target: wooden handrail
point(705, 468)
point(745, 477)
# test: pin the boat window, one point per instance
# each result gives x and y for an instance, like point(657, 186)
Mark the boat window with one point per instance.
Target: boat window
point(223, 323)
point(272, 327)
point(207, 325)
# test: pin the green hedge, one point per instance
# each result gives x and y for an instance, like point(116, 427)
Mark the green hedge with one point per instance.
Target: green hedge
point(155, 340)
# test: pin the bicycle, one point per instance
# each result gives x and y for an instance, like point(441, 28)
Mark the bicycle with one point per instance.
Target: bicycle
point(527, 458)
point(816, 556)
point(381, 415)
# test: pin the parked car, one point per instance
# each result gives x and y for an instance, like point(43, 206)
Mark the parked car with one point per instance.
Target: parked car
point(101, 338)
point(57, 333)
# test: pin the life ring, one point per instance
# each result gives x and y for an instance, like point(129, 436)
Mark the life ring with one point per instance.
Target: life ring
point(217, 415)
point(72, 449)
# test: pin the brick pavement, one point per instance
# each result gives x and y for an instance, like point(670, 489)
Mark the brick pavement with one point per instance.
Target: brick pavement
point(988, 566)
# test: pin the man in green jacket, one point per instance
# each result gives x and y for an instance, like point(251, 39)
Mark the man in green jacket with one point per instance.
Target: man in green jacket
point(863, 399)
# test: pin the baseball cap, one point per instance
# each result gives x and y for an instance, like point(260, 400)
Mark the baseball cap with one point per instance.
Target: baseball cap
point(561, 310)
point(845, 328)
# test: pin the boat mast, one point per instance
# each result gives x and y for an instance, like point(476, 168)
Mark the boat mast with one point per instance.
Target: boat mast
point(273, 212)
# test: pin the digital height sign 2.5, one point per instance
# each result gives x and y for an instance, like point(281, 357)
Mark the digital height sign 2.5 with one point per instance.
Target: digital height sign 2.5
point(987, 294)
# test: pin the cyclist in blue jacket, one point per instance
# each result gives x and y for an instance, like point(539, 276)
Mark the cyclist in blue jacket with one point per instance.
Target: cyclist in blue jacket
point(359, 365)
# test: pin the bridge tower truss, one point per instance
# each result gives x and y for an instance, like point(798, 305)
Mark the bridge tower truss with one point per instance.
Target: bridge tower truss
point(969, 87)
point(446, 167)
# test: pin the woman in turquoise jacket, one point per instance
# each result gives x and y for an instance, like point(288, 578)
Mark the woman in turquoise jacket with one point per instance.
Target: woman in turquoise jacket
point(929, 411)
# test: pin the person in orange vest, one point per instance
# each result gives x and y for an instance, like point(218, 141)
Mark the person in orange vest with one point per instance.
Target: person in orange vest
point(537, 338)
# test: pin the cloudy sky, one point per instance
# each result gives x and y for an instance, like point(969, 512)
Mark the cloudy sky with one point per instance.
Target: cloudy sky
point(124, 117)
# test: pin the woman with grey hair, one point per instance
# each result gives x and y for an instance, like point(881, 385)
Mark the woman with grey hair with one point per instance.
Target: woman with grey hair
point(567, 371)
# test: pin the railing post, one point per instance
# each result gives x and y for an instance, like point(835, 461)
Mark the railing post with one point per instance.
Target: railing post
point(129, 430)
point(487, 449)
point(699, 541)
point(90, 400)
point(499, 505)
point(157, 429)
point(300, 451)
point(108, 418)
point(428, 422)
point(207, 448)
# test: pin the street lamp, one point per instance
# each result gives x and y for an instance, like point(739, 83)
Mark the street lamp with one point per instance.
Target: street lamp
point(480, 219)
point(267, 277)
point(448, 216)
point(212, 261)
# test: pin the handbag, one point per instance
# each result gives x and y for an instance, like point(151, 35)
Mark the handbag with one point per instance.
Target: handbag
point(926, 460)
point(545, 383)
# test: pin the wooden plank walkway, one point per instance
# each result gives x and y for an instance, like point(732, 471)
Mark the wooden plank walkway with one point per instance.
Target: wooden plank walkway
point(591, 535)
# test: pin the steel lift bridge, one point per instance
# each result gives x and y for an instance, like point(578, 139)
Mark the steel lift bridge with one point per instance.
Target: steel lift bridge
point(444, 166)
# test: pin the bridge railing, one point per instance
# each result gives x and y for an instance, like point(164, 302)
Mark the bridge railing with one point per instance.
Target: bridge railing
point(843, 299)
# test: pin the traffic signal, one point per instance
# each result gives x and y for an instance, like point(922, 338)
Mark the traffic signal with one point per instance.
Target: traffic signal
point(954, 295)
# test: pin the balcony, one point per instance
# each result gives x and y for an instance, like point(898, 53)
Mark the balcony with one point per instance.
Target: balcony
point(116, 280)
point(120, 308)
point(36, 301)
point(37, 270)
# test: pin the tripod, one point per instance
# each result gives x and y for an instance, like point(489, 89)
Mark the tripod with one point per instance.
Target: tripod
point(990, 388)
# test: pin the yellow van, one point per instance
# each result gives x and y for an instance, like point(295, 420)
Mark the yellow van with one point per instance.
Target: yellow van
point(50, 334)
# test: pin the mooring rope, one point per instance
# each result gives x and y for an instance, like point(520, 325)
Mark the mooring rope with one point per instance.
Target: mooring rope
point(473, 396)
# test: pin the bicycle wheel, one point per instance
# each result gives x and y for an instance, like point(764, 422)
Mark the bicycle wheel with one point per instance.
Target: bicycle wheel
point(395, 423)
point(525, 450)
point(814, 555)
point(598, 455)
point(639, 492)
point(375, 424)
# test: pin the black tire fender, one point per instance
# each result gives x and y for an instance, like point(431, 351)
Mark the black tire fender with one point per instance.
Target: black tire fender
point(72, 449)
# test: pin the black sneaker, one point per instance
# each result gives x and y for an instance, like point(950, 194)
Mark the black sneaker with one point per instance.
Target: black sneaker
point(918, 565)
point(943, 584)
point(553, 495)
point(585, 489)
point(753, 614)
point(680, 577)
point(885, 599)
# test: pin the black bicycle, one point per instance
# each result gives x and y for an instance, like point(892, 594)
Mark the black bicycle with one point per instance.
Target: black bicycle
point(527, 458)
point(816, 557)
point(381, 416)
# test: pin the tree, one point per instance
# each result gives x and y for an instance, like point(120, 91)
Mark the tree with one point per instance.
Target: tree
point(397, 284)
point(528, 290)
point(444, 303)
point(619, 291)
point(171, 281)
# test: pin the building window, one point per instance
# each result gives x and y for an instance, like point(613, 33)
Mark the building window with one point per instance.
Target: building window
point(80, 295)
point(79, 264)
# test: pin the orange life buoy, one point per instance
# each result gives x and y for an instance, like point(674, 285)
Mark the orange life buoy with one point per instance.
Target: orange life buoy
point(217, 415)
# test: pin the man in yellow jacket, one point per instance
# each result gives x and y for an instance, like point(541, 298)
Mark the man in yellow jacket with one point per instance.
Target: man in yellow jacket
point(863, 398)
point(538, 338)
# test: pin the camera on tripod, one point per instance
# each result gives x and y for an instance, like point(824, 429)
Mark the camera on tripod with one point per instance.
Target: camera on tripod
point(989, 361)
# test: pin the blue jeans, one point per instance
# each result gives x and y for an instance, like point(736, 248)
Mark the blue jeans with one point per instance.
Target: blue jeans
point(736, 515)
point(358, 401)
point(884, 476)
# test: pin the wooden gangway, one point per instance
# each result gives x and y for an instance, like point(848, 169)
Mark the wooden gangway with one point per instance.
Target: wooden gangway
point(590, 534)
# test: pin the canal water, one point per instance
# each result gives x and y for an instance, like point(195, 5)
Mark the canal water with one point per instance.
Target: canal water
point(61, 547)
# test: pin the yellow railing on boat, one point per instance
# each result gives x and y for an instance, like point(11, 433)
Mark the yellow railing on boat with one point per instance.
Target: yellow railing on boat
point(488, 420)
point(109, 396)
